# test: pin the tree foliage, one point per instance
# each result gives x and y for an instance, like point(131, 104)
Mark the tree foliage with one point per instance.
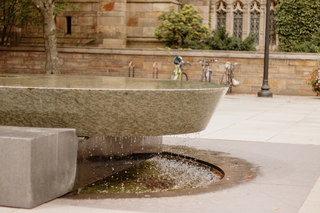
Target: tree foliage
point(38, 13)
point(177, 27)
point(17, 14)
point(20, 13)
point(220, 40)
point(296, 20)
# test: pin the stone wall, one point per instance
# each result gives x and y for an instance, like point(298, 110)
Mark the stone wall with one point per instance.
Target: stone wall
point(288, 72)
point(106, 23)
point(142, 19)
point(131, 23)
point(84, 26)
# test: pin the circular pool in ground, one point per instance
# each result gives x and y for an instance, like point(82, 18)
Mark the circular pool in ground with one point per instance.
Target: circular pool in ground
point(227, 171)
point(162, 173)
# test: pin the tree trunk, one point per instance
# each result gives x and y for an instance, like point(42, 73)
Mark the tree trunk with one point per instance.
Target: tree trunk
point(4, 27)
point(9, 33)
point(46, 8)
point(3, 34)
point(50, 42)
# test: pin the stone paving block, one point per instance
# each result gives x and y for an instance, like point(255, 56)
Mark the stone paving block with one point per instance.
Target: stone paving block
point(97, 63)
point(86, 7)
point(277, 84)
point(85, 21)
point(111, 21)
point(120, 6)
point(203, 9)
point(248, 69)
point(148, 31)
point(143, 7)
point(147, 22)
point(37, 164)
point(114, 42)
point(286, 69)
point(252, 81)
point(304, 63)
point(132, 22)
point(160, 7)
point(294, 81)
point(242, 89)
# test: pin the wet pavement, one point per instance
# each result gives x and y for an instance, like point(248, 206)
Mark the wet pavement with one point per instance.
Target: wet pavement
point(280, 136)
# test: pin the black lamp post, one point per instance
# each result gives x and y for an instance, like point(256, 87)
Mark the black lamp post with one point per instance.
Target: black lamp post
point(265, 89)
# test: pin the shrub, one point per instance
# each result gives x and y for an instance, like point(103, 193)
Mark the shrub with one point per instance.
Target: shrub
point(177, 27)
point(314, 80)
point(220, 40)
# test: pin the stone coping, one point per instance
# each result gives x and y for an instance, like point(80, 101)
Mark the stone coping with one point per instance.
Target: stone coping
point(144, 39)
point(153, 1)
point(164, 52)
point(99, 83)
point(83, 1)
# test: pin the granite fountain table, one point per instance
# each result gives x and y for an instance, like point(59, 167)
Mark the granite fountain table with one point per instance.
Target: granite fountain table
point(107, 106)
point(114, 118)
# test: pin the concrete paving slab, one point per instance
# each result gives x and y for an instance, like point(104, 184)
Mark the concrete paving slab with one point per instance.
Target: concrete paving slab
point(52, 208)
point(311, 204)
point(298, 135)
point(310, 207)
point(270, 119)
point(242, 132)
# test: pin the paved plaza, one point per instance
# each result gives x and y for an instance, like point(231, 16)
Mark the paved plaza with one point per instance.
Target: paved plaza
point(280, 135)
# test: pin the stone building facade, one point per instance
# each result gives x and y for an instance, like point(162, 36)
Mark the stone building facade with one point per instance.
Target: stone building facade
point(242, 17)
point(131, 23)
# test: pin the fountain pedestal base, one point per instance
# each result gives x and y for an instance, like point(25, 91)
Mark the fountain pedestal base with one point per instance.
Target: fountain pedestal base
point(37, 164)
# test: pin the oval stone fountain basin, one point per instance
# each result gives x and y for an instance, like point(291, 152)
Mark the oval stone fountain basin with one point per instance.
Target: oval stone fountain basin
point(108, 106)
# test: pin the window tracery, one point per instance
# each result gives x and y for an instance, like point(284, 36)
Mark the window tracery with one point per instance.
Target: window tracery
point(237, 19)
point(273, 35)
point(255, 11)
point(221, 8)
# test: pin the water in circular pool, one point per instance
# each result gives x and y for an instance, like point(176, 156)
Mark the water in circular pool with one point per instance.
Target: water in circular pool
point(158, 174)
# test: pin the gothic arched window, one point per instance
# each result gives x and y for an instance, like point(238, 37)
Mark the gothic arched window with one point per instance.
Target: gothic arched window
point(237, 19)
point(272, 37)
point(221, 13)
point(255, 19)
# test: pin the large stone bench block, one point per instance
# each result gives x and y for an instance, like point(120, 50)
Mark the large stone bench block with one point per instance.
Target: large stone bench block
point(37, 164)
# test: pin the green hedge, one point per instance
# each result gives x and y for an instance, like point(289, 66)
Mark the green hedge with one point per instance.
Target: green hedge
point(297, 21)
point(220, 40)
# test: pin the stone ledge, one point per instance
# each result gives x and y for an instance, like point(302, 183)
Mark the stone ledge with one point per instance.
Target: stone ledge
point(153, 1)
point(84, 1)
point(146, 39)
point(162, 52)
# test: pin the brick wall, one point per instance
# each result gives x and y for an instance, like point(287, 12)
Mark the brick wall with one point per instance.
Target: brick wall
point(288, 72)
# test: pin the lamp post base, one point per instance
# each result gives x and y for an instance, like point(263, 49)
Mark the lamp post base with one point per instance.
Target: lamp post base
point(265, 94)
